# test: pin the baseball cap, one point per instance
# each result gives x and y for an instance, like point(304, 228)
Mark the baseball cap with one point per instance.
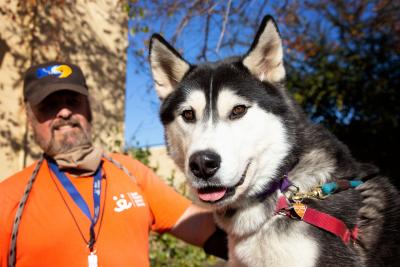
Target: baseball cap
point(44, 79)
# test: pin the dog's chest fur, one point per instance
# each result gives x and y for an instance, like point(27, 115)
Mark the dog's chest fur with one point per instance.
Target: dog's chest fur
point(257, 237)
point(276, 243)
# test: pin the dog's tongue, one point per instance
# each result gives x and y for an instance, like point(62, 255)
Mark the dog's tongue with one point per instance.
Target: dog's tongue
point(212, 194)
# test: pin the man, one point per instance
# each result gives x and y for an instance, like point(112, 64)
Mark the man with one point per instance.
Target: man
point(78, 206)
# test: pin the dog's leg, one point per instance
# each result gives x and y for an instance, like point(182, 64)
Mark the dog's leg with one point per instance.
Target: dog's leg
point(378, 221)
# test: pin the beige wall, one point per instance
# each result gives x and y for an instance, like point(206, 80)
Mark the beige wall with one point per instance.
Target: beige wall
point(166, 168)
point(92, 34)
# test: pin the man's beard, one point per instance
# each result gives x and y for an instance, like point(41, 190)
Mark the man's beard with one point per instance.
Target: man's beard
point(81, 138)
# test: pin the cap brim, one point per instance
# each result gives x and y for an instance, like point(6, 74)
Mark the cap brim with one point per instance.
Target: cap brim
point(38, 96)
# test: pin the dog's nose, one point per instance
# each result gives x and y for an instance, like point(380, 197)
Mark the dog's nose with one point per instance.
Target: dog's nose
point(204, 164)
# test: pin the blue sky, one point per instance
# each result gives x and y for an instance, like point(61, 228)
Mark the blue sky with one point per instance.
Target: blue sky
point(142, 124)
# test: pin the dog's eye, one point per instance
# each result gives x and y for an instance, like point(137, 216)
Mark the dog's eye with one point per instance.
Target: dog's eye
point(188, 115)
point(238, 112)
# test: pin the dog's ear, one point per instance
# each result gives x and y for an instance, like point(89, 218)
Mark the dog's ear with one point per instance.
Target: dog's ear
point(167, 66)
point(265, 57)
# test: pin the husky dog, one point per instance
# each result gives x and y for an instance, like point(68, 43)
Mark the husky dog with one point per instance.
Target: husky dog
point(235, 132)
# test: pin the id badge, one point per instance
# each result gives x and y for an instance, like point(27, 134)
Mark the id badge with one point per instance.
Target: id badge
point(92, 259)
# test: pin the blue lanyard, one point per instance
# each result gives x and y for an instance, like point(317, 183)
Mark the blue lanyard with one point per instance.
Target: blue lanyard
point(76, 196)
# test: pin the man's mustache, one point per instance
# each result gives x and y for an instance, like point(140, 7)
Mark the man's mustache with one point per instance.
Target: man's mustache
point(65, 122)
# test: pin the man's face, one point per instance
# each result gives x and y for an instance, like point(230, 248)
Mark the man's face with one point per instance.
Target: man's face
point(60, 122)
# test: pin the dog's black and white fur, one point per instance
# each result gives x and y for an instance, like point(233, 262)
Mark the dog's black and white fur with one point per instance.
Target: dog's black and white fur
point(233, 129)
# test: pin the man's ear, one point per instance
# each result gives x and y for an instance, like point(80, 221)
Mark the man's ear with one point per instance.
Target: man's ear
point(89, 109)
point(167, 66)
point(29, 113)
point(265, 57)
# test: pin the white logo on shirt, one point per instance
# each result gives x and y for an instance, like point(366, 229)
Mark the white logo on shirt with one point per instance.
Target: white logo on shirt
point(135, 199)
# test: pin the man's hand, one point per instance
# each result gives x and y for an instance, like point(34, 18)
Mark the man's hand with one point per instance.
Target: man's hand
point(197, 227)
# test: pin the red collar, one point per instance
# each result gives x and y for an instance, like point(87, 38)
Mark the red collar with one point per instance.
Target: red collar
point(316, 218)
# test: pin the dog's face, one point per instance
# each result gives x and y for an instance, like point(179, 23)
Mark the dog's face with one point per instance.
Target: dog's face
point(225, 121)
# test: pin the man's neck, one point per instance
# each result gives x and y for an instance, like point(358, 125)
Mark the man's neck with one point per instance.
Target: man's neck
point(81, 161)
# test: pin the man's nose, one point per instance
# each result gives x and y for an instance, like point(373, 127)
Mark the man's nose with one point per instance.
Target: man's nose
point(64, 113)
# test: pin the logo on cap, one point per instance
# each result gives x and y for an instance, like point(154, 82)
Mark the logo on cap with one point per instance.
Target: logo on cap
point(60, 71)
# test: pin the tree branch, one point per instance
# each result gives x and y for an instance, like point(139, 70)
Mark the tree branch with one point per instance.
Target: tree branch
point(203, 54)
point(221, 36)
point(185, 20)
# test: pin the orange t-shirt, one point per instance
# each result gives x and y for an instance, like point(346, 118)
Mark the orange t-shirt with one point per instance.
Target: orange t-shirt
point(53, 229)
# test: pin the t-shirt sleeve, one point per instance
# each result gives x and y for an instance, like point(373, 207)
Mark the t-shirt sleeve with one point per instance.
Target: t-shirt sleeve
point(166, 205)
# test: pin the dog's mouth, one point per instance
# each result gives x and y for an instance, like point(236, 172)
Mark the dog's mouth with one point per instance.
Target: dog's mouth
point(214, 194)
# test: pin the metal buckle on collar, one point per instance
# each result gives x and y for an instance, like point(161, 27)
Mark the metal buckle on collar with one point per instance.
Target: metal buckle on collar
point(291, 191)
point(315, 193)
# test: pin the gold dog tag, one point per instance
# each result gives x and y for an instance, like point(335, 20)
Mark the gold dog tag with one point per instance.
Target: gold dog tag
point(300, 209)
